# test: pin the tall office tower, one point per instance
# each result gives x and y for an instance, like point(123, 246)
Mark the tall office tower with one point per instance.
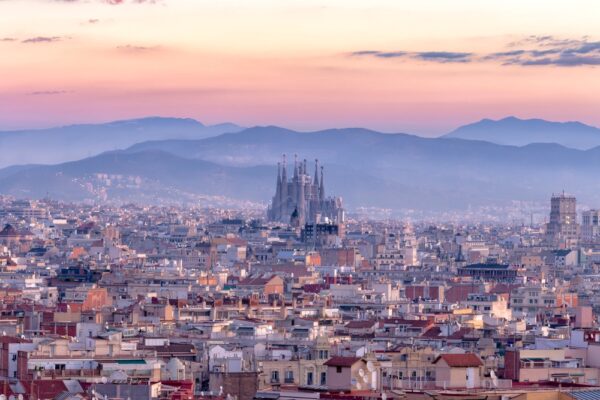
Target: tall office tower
point(302, 199)
point(563, 230)
point(590, 226)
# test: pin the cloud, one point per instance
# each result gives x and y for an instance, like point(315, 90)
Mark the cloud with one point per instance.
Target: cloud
point(93, 21)
point(444, 56)
point(549, 50)
point(129, 48)
point(42, 39)
point(437, 56)
point(365, 53)
point(529, 51)
point(8, 39)
point(48, 92)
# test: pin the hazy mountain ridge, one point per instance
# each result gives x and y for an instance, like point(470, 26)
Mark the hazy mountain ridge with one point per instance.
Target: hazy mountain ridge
point(521, 132)
point(367, 168)
point(73, 142)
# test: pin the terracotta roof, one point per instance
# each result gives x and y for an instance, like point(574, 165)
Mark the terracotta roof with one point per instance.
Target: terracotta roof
point(339, 361)
point(256, 281)
point(460, 360)
point(360, 324)
point(433, 332)
point(460, 334)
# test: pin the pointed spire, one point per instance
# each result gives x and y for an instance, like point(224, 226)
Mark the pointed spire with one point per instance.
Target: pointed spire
point(322, 188)
point(304, 167)
point(316, 180)
point(278, 190)
point(278, 172)
point(284, 170)
point(295, 166)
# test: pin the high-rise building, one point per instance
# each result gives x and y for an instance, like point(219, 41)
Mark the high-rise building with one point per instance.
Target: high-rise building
point(590, 226)
point(563, 230)
point(302, 199)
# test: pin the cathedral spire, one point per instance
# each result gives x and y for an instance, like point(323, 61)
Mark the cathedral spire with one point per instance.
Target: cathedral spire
point(278, 190)
point(304, 167)
point(295, 166)
point(322, 188)
point(284, 172)
point(316, 180)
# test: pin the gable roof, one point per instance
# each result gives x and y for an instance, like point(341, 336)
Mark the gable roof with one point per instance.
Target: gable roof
point(257, 280)
point(360, 324)
point(460, 360)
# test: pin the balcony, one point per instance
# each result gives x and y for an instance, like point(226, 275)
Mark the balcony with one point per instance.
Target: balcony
point(67, 373)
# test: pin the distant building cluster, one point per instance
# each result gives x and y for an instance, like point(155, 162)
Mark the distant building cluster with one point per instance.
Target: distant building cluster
point(149, 302)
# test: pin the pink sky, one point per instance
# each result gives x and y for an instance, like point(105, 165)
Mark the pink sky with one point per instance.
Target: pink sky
point(398, 66)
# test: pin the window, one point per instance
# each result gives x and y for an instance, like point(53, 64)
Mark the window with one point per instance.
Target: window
point(309, 378)
point(338, 370)
point(274, 376)
point(289, 376)
point(323, 378)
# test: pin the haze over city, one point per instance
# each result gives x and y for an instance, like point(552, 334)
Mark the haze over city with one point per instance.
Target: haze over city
point(299, 199)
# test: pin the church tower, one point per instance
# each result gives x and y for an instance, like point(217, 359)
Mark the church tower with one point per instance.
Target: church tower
point(303, 196)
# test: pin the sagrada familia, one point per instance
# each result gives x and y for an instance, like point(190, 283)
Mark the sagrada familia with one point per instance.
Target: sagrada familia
point(301, 199)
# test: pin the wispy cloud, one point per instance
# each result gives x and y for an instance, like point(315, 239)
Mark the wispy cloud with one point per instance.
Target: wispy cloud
point(42, 39)
point(48, 92)
point(444, 56)
point(129, 48)
point(8, 39)
point(549, 50)
point(438, 56)
point(529, 51)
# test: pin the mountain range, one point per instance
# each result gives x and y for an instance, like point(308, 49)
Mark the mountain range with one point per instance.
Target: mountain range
point(74, 142)
point(520, 132)
point(367, 168)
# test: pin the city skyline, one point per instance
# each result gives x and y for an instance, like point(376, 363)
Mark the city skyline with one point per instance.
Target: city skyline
point(391, 66)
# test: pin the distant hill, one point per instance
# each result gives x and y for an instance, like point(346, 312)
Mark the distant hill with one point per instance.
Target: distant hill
point(147, 176)
point(67, 143)
point(367, 168)
point(154, 176)
point(521, 132)
point(418, 172)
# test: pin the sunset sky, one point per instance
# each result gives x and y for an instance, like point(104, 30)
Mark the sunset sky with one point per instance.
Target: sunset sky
point(422, 67)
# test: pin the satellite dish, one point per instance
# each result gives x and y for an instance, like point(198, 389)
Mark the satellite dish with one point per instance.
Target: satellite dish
point(370, 366)
point(104, 379)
